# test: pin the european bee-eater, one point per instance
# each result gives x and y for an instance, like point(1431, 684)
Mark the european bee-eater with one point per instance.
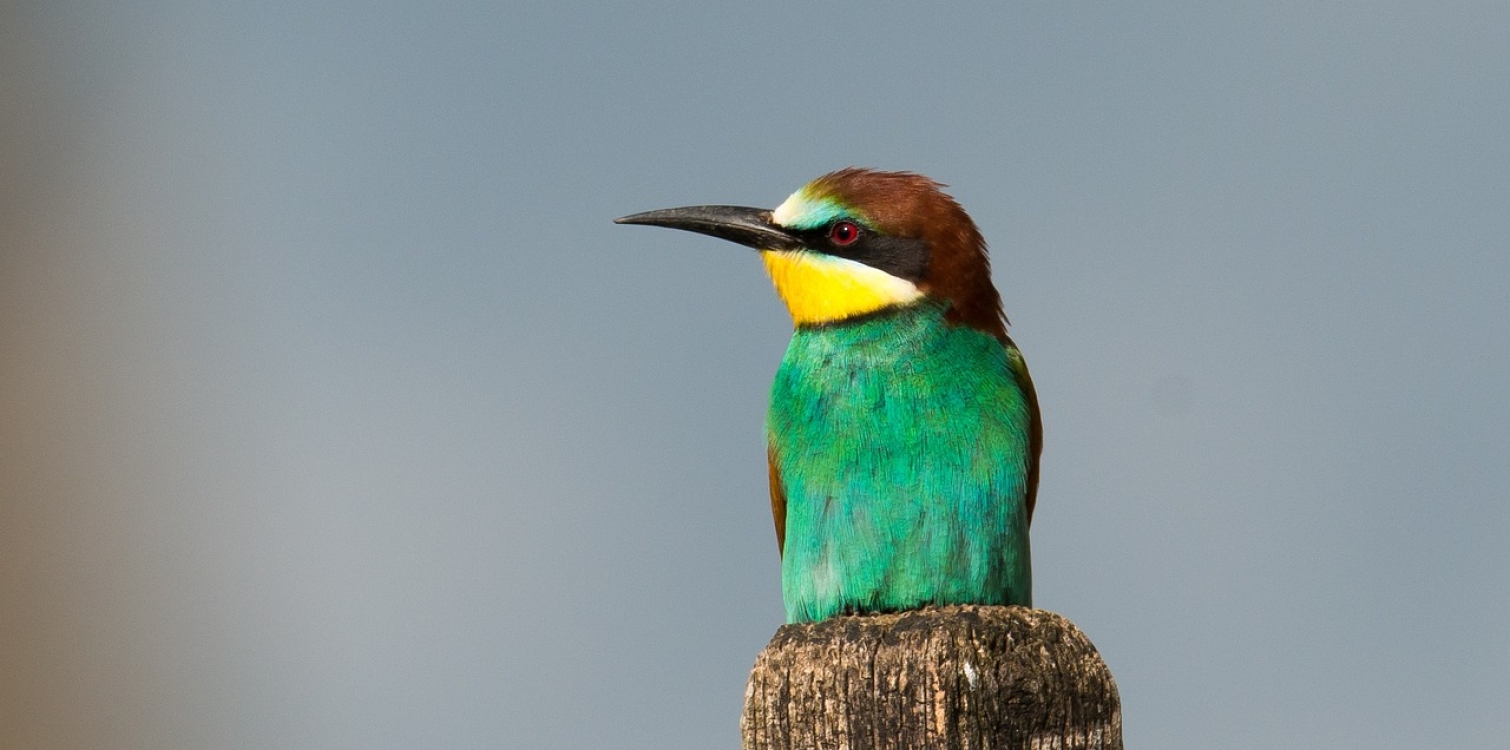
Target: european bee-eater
point(903, 433)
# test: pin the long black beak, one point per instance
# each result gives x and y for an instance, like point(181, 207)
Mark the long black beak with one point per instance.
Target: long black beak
point(747, 226)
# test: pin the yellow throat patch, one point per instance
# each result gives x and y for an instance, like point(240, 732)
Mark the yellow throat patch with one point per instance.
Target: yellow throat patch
point(821, 288)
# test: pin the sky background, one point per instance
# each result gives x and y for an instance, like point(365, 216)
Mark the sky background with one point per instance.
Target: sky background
point(336, 413)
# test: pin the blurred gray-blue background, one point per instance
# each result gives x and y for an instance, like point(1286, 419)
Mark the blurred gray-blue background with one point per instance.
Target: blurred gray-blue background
point(335, 413)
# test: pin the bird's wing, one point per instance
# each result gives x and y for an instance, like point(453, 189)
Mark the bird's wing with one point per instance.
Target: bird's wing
point(1035, 427)
point(778, 500)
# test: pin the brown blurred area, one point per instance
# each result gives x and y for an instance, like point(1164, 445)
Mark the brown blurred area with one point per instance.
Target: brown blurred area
point(76, 670)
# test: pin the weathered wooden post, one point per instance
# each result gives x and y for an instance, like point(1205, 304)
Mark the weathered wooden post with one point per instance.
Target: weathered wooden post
point(961, 678)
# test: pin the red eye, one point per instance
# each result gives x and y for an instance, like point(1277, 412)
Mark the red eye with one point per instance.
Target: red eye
point(844, 232)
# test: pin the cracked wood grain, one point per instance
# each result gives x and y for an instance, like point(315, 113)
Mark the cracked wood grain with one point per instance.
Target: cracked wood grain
point(961, 678)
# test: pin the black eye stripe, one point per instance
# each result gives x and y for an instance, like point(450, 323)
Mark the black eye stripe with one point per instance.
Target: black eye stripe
point(902, 257)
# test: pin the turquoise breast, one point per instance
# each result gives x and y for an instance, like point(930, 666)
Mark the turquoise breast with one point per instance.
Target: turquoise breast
point(902, 443)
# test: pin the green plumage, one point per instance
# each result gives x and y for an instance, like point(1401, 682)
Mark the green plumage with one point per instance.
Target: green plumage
point(902, 443)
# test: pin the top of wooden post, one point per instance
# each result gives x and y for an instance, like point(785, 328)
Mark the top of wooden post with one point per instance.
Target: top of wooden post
point(966, 678)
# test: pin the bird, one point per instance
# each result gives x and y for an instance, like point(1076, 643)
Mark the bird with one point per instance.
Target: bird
point(903, 433)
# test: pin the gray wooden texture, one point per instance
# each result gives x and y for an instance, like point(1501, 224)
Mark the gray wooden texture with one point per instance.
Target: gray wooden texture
point(961, 678)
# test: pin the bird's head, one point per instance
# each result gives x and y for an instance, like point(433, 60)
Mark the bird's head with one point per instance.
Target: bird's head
point(856, 242)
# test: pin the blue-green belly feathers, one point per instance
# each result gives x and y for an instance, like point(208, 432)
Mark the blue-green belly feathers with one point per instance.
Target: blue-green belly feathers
point(901, 443)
